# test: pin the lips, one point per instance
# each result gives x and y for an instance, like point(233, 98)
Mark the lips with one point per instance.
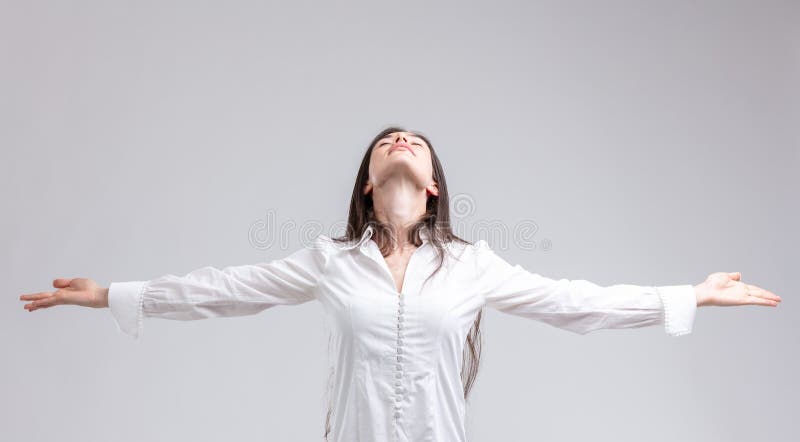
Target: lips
point(401, 146)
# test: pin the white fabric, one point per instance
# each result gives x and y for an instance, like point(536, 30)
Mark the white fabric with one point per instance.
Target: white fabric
point(395, 358)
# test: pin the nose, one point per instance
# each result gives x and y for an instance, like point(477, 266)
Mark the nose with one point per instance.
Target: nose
point(401, 136)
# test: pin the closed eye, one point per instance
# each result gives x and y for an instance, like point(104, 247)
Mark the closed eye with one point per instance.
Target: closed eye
point(413, 143)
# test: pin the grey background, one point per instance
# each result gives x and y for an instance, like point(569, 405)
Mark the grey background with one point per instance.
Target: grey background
point(651, 143)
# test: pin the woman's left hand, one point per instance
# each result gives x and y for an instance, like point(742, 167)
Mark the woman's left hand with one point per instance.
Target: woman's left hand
point(726, 289)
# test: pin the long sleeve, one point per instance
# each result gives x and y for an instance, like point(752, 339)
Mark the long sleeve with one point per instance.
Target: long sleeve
point(581, 306)
point(210, 292)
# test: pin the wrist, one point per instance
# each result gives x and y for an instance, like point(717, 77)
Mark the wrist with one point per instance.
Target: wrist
point(700, 295)
point(102, 295)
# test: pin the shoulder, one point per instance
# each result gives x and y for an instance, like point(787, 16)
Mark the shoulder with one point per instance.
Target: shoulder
point(330, 245)
point(481, 244)
point(468, 252)
point(484, 255)
point(479, 247)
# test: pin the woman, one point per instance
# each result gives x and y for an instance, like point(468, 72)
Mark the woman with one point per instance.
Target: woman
point(402, 297)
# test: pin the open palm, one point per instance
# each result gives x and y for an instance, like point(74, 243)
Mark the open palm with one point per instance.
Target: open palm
point(727, 289)
point(75, 291)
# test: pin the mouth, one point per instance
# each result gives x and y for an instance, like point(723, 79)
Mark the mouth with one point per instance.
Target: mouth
point(401, 146)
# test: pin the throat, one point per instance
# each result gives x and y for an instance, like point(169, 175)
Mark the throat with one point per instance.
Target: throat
point(398, 265)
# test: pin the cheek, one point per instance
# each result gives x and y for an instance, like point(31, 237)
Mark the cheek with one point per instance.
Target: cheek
point(427, 163)
point(375, 163)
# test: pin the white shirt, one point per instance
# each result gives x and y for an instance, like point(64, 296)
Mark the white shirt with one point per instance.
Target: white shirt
point(395, 357)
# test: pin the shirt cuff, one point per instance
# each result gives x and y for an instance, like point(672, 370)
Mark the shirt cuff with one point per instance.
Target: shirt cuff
point(680, 307)
point(125, 302)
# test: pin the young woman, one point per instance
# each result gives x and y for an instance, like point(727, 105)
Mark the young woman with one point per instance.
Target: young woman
point(402, 297)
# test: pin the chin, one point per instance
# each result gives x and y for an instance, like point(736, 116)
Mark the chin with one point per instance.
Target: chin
point(406, 168)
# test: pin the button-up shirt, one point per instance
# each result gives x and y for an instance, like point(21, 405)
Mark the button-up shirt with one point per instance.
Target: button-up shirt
point(395, 357)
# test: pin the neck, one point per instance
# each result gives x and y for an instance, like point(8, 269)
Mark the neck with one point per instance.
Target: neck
point(399, 203)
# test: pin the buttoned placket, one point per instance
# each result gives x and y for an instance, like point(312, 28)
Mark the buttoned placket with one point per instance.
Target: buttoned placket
point(371, 250)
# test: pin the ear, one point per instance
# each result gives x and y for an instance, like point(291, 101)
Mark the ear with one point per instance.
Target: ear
point(367, 188)
point(432, 189)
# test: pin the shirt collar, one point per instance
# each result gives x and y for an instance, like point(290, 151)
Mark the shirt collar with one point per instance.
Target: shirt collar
point(424, 235)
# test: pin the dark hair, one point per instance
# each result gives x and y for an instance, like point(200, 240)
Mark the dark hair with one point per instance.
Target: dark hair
point(436, 219)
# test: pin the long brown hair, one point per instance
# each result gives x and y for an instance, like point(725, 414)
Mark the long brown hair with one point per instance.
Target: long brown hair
point(437, 221)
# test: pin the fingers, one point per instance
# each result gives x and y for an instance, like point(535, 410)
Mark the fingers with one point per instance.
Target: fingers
point(35, 296)
point(40, 300)
point(61, 283)
point(756, 291)
point(736, 276)
point(755, 300)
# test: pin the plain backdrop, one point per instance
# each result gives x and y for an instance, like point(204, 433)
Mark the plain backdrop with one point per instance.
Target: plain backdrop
point(649, 143)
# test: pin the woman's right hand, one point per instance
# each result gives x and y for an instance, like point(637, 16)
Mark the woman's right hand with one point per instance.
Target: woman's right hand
point(76, 291)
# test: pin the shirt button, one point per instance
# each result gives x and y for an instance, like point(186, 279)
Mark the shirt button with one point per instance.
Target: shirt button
point(399, 358)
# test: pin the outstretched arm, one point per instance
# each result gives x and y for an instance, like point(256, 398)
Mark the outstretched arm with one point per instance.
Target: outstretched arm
point(203, 293)
point(582, 306)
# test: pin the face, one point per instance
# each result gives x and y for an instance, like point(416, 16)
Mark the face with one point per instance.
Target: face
point(401, 154)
